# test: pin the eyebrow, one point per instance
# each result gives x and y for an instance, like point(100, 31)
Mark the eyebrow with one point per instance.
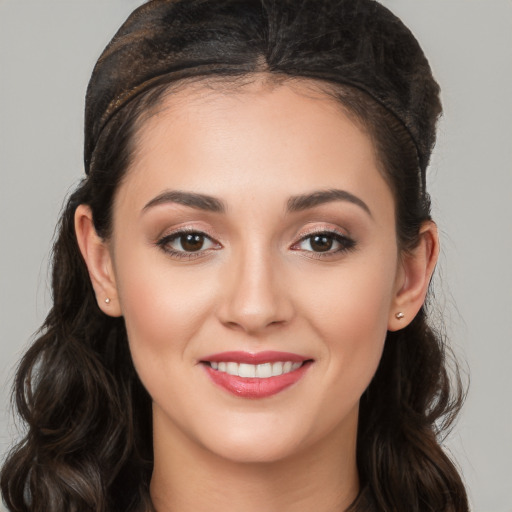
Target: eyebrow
point(295, 203)
point(305, 201)
point(192, 199)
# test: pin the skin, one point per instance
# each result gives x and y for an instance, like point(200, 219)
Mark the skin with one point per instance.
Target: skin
point(257, 284)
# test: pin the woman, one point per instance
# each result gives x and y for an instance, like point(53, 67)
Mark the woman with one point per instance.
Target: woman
point(239, 317)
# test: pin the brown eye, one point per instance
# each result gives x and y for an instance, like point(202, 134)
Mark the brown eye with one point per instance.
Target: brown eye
point(183, 243)
point(192, 242)
point(321, 243)
point(325, 242)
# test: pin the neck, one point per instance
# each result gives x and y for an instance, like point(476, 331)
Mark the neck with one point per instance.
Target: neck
point(189, 478)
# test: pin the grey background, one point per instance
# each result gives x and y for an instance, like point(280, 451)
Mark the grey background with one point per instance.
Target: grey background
point(47, 51)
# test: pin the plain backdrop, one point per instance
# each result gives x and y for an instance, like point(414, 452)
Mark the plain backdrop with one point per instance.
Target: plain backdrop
point(47, 51)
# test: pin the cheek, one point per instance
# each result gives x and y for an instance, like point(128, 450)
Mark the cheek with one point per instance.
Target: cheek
point(350, 312)
point(163, 310)
point(353, 298)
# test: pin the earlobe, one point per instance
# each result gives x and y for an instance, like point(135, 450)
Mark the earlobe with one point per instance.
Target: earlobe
point(96, 254)
point(416, 268)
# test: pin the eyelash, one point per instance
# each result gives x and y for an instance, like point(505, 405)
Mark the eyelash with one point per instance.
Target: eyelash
point(164, 242)
point(346, 243)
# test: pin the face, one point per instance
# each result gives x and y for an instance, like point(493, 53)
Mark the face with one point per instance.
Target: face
point(253, 234)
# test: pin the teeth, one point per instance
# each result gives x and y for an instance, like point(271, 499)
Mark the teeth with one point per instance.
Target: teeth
point(259, 371)
point(232, 368)
point(264, 371)
point(244, 370)
point(277, 369)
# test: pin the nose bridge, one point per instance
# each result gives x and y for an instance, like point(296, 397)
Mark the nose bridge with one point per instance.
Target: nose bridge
point(254, 296)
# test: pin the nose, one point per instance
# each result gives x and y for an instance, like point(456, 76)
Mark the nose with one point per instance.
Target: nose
point(255, 296)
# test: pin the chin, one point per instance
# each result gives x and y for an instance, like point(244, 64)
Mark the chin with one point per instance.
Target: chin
point(265, 437)
point(247, 447)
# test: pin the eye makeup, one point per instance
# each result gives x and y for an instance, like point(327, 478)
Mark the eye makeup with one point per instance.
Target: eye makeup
point(190, 243)
point(325, 243)
point(187, 244)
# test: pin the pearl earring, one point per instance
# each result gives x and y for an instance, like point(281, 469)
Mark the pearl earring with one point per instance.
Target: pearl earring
point(399, 315)
point(107, 301)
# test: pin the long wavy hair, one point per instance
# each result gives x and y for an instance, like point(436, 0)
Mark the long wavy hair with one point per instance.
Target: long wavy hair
point(88, 439)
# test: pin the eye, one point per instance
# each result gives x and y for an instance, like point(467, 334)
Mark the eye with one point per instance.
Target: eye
point(328, 242)
point(187, 244)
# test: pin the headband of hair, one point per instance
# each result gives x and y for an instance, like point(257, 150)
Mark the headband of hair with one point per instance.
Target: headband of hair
point(353, 42)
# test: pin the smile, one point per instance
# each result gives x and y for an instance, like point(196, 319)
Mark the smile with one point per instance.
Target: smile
point(257, 371)
point(255, 375)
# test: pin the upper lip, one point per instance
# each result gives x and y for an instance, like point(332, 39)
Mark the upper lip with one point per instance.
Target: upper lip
point(268, 356)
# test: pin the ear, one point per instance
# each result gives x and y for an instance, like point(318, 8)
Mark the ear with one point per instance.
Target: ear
point(413, 277)
point(96, 254)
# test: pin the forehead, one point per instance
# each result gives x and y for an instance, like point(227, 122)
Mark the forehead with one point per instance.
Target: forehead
point(200, 94)
point(283, 104)
point(258, 137)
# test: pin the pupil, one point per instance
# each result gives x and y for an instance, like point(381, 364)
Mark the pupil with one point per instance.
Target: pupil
point(192, 242)
point(321, 243)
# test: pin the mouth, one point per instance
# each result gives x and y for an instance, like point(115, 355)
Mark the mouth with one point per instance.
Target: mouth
point(254, 371)
point(258, 375)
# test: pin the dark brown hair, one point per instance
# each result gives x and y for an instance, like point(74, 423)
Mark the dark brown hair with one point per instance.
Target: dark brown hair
point(88, 444)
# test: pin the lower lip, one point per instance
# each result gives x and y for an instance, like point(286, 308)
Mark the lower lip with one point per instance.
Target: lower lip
point(256, 388)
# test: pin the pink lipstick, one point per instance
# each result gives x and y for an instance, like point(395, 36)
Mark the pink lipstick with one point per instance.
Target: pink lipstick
point(257, 375)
